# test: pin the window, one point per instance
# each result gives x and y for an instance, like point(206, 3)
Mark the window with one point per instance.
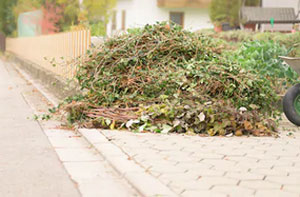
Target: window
point(177, 17)
point(123, 19)
point(114, 21)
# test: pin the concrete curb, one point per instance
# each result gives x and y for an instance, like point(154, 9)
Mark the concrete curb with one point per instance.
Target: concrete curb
point(55, 84)
point(143, 182)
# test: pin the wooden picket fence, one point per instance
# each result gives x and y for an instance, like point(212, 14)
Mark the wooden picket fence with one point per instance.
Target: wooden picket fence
point(54, 52)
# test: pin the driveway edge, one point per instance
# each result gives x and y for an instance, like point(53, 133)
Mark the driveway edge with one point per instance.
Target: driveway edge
point(143, 182)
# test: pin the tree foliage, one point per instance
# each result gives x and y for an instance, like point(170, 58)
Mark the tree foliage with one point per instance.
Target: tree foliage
point(97, 13)
point(98, 9)
point(71, 13)
point(26, 6)
point(225, 11)
point(70, 9)
point(7, 21)
point(252, 2)
point(222, 11)
point(68, 13)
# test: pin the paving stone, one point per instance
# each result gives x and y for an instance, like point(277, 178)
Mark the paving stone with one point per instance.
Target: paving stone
point(244, 176)
point(275, 193)
point(148, 185)
point(68, 142)
point(179, 185)
point(167, 169)
point(167, 147)
point(259, 184)
point(290, 170)
point(233, 191)
point(254, 165)
point(240, 159)
point(200, 156)
point(285, 180)
point(261, 156)
point(76, 154)
point(292, 188)
point(194, 193)
point(149, 157)
point(191, 166)
point(290, 153)
point(178, 158)
point(210, 173)
point(218, 181)
point(167, 177)
point(104, 187)
point(94, 136)
point(135, 150)
point(109, 149)
point(219, 162)
point(278, 163)
point(124, 165)
point(86, 170)
point(232, 152)
point(59, 133)
point(231, 168)
point(177, 154)
point(269, 172)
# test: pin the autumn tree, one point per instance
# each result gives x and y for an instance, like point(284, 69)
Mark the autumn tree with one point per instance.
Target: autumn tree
point(52, 16)
point(67, 13)
point(66, 10)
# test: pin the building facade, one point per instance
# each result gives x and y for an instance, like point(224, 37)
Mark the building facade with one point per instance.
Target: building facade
point(281, 4)
point(191, 14)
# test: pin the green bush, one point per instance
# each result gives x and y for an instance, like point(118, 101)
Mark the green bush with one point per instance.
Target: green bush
point(98, 29)
point(263, 58)
point(236, 36)
point(291, 41)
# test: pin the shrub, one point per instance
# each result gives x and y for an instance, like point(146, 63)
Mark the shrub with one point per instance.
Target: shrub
point(263, 58)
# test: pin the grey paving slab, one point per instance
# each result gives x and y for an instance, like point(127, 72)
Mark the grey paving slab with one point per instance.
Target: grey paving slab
point(197, 166)
point(28, 163)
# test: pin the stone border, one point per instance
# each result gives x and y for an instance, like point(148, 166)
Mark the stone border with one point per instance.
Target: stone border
point(55, 84)
point(143, 182)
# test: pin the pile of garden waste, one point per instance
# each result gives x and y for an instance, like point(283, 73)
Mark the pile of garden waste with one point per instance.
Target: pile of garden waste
point(163, 79)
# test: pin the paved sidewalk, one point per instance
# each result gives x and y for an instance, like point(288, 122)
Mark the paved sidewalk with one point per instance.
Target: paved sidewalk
point(92, 174)
point(28, 163)
point(215, 166)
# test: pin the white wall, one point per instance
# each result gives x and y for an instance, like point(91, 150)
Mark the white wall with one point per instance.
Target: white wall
point(142, 12)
